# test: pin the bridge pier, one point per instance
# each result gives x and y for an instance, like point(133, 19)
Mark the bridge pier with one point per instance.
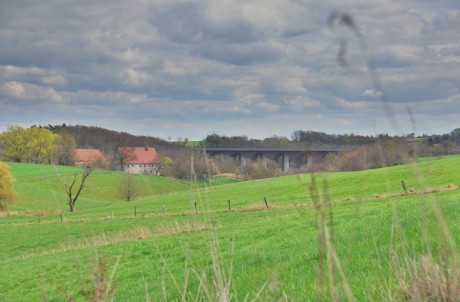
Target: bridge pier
point(309, 160)
point(285, 162)
point(261, 158)
point(240, 158)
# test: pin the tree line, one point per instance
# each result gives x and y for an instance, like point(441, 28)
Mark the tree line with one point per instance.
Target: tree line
point(55, 144)
point(435, 144)
point(308, 138)
point(37, 145)
point(298, 138)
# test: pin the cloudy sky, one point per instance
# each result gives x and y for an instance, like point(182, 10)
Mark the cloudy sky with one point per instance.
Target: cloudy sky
point(188, 68)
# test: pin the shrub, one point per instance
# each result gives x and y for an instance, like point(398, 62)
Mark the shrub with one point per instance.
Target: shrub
point(7, 193)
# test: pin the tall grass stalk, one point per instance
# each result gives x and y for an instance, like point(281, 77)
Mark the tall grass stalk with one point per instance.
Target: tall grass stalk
point(330, 269)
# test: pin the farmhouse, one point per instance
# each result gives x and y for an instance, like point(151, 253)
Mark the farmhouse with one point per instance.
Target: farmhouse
point(89, 157)
point(139, 160)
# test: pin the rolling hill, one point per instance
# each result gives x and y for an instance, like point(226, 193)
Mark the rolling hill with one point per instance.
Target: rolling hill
point(339, 236)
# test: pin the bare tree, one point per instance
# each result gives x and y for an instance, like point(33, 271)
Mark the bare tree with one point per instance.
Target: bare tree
point(128, 188)
point(70, 189)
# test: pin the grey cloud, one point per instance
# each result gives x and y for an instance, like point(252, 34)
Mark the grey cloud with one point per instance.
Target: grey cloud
point(450, 51)
point(446, 106)
point(418, 91)
point(297, 30)
point(213, 63)
point(396, 56)
point(240, 54)
point(74, 35)
point(51, 77)
point(191, 24)
point(447, 21)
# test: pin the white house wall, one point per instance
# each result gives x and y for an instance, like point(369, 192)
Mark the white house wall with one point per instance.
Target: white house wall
point(152, 169)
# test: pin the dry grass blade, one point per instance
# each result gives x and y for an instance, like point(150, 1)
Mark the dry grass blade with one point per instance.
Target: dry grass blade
point(216, 287)
point(348, 21)
point(330, 269)
point(100, 288)
point(146, 290)
point(427, 280)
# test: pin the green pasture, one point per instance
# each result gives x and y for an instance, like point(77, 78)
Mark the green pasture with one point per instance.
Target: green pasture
point(160, 247)
point(193, 143)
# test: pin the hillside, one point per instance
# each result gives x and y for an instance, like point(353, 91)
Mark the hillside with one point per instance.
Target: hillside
point(370, 231)
point(105, 139)
point(40, 187)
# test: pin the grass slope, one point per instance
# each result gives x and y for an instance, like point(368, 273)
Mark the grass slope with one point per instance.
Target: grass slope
point(41, 187)
point(264, 254)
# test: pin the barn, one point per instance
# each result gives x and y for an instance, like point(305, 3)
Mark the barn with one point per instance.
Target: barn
point(139, 160)
point(90, 157)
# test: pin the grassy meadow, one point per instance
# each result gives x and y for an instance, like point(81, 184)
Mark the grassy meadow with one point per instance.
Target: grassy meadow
point(352, 236)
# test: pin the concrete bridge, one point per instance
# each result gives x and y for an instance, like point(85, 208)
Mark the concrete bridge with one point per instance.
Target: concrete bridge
point(285, 157)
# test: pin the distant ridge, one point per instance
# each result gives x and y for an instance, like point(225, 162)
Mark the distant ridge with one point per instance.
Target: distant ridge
point(106, 140)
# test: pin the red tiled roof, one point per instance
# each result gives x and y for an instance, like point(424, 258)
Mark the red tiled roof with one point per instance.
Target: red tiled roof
point(139, 155)
point(87, 155)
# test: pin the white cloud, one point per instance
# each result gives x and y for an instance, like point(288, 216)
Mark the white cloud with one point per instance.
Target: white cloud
point(120, 99)
point(182, 67)
point(285, 79)
point(351, 105)
point(135, 77)
point(13, 89)
point(268, 107)
point(25, 91)
point(252, 99)
point(55, 80)
point(372, 93)
point(301, 102)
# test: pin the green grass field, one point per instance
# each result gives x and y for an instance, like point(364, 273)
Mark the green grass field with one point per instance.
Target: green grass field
point(193, 143)
point(357, 240)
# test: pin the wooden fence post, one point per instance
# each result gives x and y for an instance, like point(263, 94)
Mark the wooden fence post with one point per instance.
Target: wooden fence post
point(196, 208)
point(404, 186)
point(266, 203)
point(135, 211)
point(62, 219)
point(229, 206)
